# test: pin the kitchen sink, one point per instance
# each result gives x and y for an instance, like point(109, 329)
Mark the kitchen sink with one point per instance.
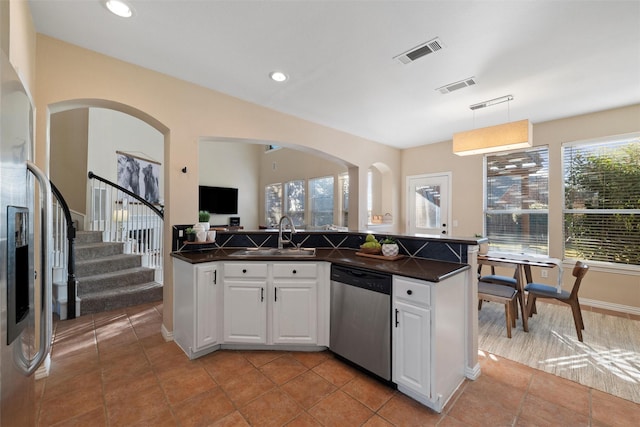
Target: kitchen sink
point(266, 252)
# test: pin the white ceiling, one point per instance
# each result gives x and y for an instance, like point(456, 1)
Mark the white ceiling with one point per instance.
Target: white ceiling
point(557, 58)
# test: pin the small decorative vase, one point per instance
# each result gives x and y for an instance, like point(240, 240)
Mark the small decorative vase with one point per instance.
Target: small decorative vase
point(201, 234)
point(205, 225)
point(390, 249)
point(211, 236)
point(484, 249)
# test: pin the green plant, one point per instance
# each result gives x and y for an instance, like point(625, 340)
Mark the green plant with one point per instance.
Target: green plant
point(203, 216)
point(189, 231)
point(389, 241)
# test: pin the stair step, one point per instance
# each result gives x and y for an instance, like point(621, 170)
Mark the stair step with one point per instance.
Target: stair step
point(86, 251)
point(124, 297)
point(88, 237)
point(114, 280)
point(107, 264)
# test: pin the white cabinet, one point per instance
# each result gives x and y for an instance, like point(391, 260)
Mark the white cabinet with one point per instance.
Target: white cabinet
point(197, 307)
point(245, 304)
point(411, 344)
point(271, 303)
point(207, 306)
point(295, 304)
point(428, 338)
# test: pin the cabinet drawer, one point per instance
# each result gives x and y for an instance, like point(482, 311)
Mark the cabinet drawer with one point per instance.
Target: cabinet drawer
point(245, 270)
point(295, 270)
point(413, 291)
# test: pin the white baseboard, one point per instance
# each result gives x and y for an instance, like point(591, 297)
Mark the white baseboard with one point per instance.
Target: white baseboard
point(43, 370)
point(474, 373)
point(610, 306)
point(167, 335)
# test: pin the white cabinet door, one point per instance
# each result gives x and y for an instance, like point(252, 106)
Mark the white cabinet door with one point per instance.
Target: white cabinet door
point(206, 302)
point(411, 347)
point(245, 311)
point(295, 316)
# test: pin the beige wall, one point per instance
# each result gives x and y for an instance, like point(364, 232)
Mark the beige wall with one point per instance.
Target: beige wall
point(606, 286)
point(69, 132)
point(22, 42)
point(232, 164)
point(69, 76)
point(111, 131)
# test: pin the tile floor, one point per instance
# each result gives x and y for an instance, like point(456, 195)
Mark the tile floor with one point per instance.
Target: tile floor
point(114, 369)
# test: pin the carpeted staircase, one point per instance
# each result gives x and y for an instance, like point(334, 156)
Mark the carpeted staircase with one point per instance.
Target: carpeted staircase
point(108, 278)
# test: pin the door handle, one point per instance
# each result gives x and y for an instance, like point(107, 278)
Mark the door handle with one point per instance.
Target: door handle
point(46, 272)
point(261, 294)
point(275, 294)
point(397, 323)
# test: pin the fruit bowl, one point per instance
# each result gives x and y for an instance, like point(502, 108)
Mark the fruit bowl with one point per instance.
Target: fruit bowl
point(370, 251)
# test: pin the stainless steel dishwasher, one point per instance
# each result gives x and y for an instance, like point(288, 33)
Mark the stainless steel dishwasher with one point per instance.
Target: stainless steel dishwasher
point(361, 318)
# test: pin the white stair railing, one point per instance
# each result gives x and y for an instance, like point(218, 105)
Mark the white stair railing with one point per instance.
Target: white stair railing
point(125, 217)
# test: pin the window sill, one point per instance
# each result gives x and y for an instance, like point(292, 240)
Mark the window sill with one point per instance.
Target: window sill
point(605, 267)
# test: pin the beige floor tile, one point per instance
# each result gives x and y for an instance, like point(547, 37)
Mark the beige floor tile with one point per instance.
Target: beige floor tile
point(403, 411)
point(274, 408)
point(614, 411)
point(116, 369)
point(204, 409)
point(336, 372)
point(308, 389)
point(283, 369)
point(340, 409)
point(246, 387)
point(371, 393)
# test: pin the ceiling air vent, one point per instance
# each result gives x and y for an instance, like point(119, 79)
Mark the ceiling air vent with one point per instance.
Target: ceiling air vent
point(457, 85)
point(420, 51)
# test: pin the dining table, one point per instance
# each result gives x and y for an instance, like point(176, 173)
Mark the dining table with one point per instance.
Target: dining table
point(522, 265)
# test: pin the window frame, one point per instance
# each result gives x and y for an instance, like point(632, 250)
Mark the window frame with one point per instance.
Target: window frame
point(485, 202)
point(608, 266)
point(312, 201)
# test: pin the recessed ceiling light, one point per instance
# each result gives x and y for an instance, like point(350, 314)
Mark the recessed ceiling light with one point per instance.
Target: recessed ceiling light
point(119, 7)
point(278, 76)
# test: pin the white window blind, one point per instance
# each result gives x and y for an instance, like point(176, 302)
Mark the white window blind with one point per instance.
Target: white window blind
point(602, 200)
point(516, 201)
point(343, 179)
point(294, 201)
point(321, 200)
point(273, 204)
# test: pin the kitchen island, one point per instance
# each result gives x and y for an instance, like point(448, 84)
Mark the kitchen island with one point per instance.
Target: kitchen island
point(227, 299)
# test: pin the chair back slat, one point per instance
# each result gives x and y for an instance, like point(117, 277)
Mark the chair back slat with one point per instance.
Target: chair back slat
point(579, 271)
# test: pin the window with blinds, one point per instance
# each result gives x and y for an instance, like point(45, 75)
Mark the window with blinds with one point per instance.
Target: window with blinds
point(273, 204)
point(602, 200)
point(517, 201)
point(321, 201)
point(294, 201)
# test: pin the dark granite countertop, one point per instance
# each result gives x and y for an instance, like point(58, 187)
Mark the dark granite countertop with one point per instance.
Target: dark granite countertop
point(418, 268)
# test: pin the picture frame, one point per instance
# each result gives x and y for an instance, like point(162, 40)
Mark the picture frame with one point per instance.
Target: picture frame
point(140, 176)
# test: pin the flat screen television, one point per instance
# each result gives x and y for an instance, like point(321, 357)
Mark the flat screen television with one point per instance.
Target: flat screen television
point(218, 200)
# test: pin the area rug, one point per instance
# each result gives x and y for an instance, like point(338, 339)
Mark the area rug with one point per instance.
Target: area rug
point(607, 360)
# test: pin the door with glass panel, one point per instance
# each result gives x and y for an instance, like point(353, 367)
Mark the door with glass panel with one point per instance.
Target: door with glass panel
point(428, 203)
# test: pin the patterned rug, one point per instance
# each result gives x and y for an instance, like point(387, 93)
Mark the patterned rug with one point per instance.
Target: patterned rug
point(607, 360)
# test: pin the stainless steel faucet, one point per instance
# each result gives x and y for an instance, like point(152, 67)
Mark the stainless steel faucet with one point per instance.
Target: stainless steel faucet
point(282, 241)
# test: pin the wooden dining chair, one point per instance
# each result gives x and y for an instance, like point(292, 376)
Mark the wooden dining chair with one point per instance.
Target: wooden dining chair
point(502, 294)
point(499, 280)
point(539, 290)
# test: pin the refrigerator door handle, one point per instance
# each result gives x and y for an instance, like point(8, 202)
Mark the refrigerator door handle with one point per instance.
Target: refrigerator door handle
point(45, 272)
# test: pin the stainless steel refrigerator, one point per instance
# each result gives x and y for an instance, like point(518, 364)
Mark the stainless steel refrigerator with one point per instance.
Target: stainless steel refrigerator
point(23, 189)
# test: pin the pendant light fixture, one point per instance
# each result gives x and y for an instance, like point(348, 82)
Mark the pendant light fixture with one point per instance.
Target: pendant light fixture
point(507, 136)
